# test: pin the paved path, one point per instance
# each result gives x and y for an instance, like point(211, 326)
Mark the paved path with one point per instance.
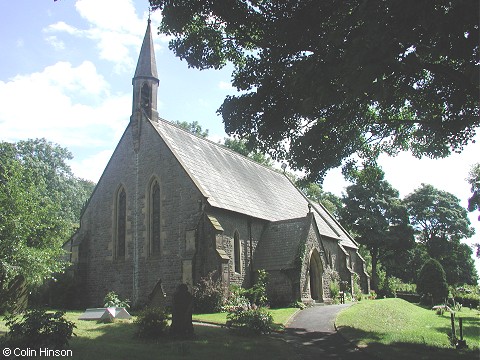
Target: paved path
point(312, 332)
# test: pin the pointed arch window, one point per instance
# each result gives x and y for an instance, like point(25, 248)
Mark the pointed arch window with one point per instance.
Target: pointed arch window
point(155, 218)
point(237, 253)
point(121, 223)
point(146, 99)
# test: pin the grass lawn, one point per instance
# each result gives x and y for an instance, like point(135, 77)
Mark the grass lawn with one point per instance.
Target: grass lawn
point(397, 329)
point(280, 317)
point(117, 341)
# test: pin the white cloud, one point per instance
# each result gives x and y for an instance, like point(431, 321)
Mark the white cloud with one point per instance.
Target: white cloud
point(118, 35)
point(55, 42)
point(116, 15)
point(92, 167)
point(41, 105)
point(62, 27)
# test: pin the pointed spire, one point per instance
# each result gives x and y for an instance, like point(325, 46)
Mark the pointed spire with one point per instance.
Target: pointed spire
point(146, 66)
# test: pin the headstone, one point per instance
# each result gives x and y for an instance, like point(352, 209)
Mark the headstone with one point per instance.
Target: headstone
point(157, 296)
point(182, 326)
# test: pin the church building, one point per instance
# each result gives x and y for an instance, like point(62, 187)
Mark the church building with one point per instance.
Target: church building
point(174, 207)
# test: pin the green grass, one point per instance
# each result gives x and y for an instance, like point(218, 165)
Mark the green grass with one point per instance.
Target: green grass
point(117, 341)
point(396, 329)
point(280, 317)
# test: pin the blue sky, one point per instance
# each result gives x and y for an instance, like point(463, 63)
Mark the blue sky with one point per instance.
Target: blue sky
point(65, 74)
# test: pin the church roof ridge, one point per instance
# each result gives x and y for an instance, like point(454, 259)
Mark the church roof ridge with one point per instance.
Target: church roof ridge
point(222, 146)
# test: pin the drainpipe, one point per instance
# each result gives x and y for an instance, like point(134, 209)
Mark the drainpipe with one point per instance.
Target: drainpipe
point(250, 237)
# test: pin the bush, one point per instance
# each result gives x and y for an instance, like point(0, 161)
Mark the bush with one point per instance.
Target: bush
point(112, 300)
point(357, 290)
point(236, 298)
point(251, 319)
point(38, 329)
point(208, 295)
point(334, 289)
point(468, 296)
point(432, 282)
point(257, 294)
point(61, 292)
point(297, 304)
point(152, 323)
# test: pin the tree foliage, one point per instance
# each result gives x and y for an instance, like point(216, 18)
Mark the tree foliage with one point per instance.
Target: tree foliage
point(441, 223)
point(474, 181)
point(40, 205)
point(335, 78)
point(241, 147)
point(194, 127)
point(315, 192)
point(432, 281)
point(436, 215)
point(377, 218)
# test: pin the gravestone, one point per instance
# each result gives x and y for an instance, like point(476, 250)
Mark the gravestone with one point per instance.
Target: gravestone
point(157, 297)
point(109, 314)
point(182, 307)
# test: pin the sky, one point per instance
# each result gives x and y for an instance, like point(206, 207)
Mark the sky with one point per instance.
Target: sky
point(66, 69)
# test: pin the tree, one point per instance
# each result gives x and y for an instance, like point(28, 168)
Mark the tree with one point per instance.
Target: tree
point(474, 201)
point(40, 204)
point(376, 216)
point(441, 223)
point(474, 181)
point(241, 147)
point(432, 281)
point(194, 127)
point(315, 192)
point(323, 80)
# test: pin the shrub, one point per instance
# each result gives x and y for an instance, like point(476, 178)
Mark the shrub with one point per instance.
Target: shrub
point(334, 289)
point(297, 304)
point(60, 292)
point(112, 300)
point(208, 295)
point(467, 295)
point(236, 298)
point(432, 282)
point(152, 323)
point(257, 294)
point(372, 295)
point(357, 290)
point(388, 285)
point(37, 329)
point(251, 319)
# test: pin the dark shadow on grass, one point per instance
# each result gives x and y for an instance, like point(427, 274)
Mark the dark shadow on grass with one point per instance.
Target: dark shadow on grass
point(471, 326)
point(401, 350)
point(322, 345)
point(118, 341)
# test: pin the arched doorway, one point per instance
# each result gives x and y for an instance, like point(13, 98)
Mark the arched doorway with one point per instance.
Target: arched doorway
point(316, 272)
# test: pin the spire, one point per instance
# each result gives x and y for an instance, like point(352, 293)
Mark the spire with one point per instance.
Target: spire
point(146, 66)
point(145, 87)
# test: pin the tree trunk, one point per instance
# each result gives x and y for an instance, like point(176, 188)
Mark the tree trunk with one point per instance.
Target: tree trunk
point(374, 280)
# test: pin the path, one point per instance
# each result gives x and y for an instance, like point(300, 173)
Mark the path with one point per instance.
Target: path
point(312, 332)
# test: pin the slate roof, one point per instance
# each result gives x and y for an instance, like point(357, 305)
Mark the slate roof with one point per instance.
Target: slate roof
point(280, 244)
point(234, 182)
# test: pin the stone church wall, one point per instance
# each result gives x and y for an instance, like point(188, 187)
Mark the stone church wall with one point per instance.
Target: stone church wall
point(312, 244)
point(135, 276)
point(283, 286)
point(250, 231)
